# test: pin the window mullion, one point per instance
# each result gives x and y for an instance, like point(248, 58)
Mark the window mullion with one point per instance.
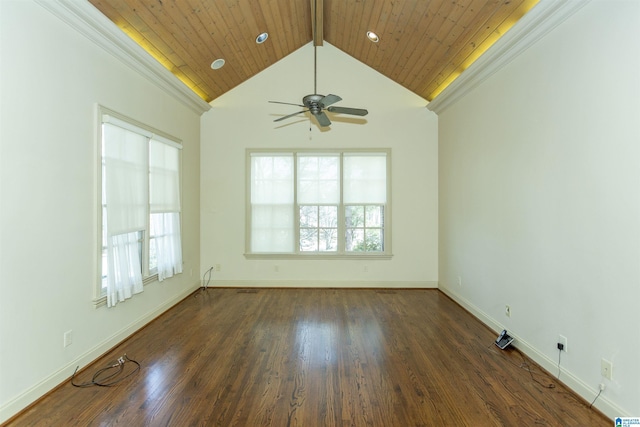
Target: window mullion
point(318, 227)
point(365, 226)
point(341, 216)
point(146, 233)
point(384, 226)
point(145, 252)
point(296, 208)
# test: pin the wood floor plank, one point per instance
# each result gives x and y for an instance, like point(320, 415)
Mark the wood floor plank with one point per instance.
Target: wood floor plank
point(316, 357)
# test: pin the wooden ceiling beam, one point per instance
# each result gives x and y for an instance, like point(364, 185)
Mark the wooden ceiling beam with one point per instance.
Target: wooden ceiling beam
point(317, 22)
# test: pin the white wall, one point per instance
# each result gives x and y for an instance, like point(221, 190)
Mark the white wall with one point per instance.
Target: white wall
point(540, 201)
point(51, 80)
point(243, 119)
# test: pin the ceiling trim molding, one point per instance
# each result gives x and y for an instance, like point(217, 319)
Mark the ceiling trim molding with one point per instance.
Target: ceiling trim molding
point(87, 20)
point(533, 26)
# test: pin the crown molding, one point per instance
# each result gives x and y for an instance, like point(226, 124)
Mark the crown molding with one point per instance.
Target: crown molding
point(533, 26)
point(91, 23)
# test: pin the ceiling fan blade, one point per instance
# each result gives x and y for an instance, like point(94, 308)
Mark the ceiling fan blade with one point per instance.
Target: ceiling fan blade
point(290, 115)
point(347, 110)
point(322, 119)
point(286, 103)
point(330, 99)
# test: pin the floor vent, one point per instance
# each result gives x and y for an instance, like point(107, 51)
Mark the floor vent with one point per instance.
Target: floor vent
point(385, 292)
point(247, 291)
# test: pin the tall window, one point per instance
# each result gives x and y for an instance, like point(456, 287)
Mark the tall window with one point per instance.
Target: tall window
point(140, 207)
point(318, 203)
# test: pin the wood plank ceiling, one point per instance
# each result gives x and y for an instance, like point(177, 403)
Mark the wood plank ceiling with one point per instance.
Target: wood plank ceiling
point(424, 44)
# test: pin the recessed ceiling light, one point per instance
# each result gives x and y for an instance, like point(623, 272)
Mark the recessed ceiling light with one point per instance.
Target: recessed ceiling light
point(261, 38)
point(373, 36)
point(217, 64)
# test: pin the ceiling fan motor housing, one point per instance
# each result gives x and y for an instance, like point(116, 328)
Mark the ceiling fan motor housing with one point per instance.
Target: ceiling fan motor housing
point(312, 102)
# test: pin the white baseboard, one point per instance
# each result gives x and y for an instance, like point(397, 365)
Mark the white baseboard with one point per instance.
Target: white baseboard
point(588, 393)
point(322, 284)
point(23, 400)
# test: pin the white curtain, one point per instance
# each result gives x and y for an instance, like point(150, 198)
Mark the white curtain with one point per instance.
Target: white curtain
point(124, 278)
point(168, 244)
point(272, 219)
point(125, 182)
point(164, 195)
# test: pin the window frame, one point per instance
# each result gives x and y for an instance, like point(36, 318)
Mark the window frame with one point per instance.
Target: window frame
point(148, 276)
point(340, 253)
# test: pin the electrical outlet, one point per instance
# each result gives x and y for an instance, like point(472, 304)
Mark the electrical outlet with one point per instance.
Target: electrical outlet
point(67, 339)
point(563, 340)
point(459, 281)
point(276, 268)
point(601, 386)
point(217, 267)
point(507, 311)
point(606, 369)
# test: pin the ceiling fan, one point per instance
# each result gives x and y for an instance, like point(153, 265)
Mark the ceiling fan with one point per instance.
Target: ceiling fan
point(317, 104)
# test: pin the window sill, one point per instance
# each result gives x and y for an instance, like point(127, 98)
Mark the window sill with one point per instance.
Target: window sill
point(101, 301)
point(317, 256)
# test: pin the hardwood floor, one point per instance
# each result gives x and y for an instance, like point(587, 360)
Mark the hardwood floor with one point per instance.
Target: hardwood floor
point(316, 357)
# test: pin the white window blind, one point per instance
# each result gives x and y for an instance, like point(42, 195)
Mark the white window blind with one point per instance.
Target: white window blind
point(365, 178)
point(272, 220)
point(126, 171)
point(318, 179)
point(164, 177)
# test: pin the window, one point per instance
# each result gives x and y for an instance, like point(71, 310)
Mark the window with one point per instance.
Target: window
point(310, 203)
point(140, 186)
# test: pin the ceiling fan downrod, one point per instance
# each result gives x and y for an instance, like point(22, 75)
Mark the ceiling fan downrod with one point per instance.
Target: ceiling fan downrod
point(315, 103)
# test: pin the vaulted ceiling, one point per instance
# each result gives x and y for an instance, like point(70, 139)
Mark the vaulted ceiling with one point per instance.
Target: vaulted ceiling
point(423, 44)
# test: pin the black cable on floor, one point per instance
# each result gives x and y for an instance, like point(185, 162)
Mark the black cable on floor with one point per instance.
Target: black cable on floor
point(559, 355)
point(525, 365)
point(596, 398)
point(113, 374)
point(206, 278)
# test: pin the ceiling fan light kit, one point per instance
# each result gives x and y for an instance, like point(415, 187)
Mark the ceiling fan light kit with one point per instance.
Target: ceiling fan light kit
point(317, 104)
